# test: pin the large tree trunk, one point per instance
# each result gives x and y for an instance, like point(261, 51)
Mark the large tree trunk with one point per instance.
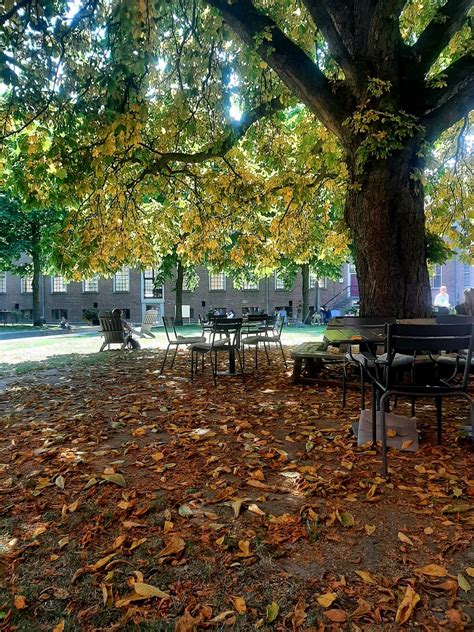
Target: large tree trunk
point(305, 290)
point(179, 294)
point(384, 211)
point(35, 284)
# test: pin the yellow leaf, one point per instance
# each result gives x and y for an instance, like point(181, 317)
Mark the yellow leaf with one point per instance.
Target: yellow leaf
point(157, 456)
point(470, 571)
point(146, 590)
point(239, 604)
point(407, 605)
point(327, 599)
point(59, 627)
point(369, 528)
point(463, 583)
point(102, 562)
point(175, 547)
point(256, 510)
point(244, 546)
point(404, 538)
point(406, 444)
point(432, 570)
point(366, 577)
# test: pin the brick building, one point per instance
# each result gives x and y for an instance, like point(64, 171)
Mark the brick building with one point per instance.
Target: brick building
point(134, 292)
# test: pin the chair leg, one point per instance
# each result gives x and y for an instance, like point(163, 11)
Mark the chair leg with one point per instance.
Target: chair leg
point(413, 408)
point(344, 385)
point(384, 435)
point(283, 354)
point(374, 415)
point(164, 359)
point(362, 387)
point(266, 352)
point(213, 367)
point(174, 357)
point(256, 355)
point(240, 363)
point(192, 365)
point(104, 344)
point(439, 403)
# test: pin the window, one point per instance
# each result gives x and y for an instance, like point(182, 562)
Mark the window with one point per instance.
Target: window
point(323, 283)
point(26, 285)
point(57, 314)
point(58, 285)
point(251, 285)
point(149, 284)
point(312, 280)
point(3, 282)
point(437, 278)
point(466, 275)
point(122, 280)
point(217, 282)
point(91, 285)
point(279, 283)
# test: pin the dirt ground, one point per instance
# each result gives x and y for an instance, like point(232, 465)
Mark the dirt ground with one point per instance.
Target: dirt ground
point(135, 501)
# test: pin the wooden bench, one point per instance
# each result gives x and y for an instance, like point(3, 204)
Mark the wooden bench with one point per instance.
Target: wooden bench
point(310, 357)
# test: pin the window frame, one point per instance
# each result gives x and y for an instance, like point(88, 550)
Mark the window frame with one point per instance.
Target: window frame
point(85, 290)
point(277, 281)
point(121, 272)
point(224, 282)
point(3, 282)
point(63, 285)
point(26, 285)
point(438, 271)
point(256, 286)
point(147, 276)
point(467, 273)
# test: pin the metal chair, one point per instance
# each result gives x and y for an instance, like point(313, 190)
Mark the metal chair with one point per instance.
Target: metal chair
point(432, 339)
point(177, 341)
point(229, 332)
point(269, 333)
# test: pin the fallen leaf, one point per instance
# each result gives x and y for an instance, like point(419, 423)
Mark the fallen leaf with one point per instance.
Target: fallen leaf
point(463, 583)
point(60, 626)
point(239, 604)
point(19, 602)
point(432, 570)
point(366, 577)
point(470, 571)
point(327, 599)
point(299, 615)
point(146, 590)
point(404, 538)
point(185, 511)
point(118, 479)
point(256, 510)
point(345, 518)
point(407, 605)
point(175, 547)
point(369, 529)
point(406, 444)
point(244, 546)
point(157, 456)
point(456, 508)
point(336, 615)
point(272, 611)
point(59, 481)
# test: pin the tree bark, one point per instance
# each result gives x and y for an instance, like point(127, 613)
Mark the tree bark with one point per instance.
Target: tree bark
point(179, 294)
point(35, 285)
point(305, 290)
point(385, 213)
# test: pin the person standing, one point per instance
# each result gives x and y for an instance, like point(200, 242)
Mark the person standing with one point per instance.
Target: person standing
point(442, 298)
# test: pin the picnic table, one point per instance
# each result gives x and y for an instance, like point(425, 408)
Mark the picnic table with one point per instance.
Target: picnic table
point(307, 361)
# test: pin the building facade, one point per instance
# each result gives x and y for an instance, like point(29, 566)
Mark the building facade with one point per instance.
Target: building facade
point(134, 292)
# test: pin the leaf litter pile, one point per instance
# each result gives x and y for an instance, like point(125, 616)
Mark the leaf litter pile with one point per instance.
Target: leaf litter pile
point(130, 500)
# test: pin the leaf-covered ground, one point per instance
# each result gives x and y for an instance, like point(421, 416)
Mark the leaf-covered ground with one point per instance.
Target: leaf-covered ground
point(130, 500)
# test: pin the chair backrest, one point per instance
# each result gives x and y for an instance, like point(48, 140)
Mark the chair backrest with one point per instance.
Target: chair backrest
point(255, 318)
point(112, 329)
point(360, 321)
point(432, 339)
point(230, 327)
point(454, 319)
point(149, 320)
point(166, 325)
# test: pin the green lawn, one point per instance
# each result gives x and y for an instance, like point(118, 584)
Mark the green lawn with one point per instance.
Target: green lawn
point(22, 355)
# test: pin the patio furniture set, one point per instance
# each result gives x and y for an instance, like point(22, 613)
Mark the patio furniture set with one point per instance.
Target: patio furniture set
point(417, 358)
point(226, 335)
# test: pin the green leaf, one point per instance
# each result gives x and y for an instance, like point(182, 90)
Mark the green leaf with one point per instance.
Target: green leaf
point(272, 611)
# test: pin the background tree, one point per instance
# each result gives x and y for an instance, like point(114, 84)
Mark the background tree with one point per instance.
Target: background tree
point(30, 232)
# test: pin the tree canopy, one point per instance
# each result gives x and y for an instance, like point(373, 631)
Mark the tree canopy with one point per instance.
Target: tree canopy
point(255, 130)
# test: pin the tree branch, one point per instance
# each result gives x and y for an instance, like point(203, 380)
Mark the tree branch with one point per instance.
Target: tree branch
point(447, 21)
point(454, 79)
point(294, 67)
point(15, 8)
point(328, 27)
point(454, 101)
point(220, 148)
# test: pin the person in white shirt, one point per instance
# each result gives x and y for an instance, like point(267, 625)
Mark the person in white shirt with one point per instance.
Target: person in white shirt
point(442, 298)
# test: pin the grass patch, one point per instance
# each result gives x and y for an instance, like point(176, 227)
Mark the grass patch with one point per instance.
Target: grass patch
point(54, 362)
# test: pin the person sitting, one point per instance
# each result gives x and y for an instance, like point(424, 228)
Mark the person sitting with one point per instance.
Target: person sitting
point(230, 313)
point(65, 325)
point(131, 342)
